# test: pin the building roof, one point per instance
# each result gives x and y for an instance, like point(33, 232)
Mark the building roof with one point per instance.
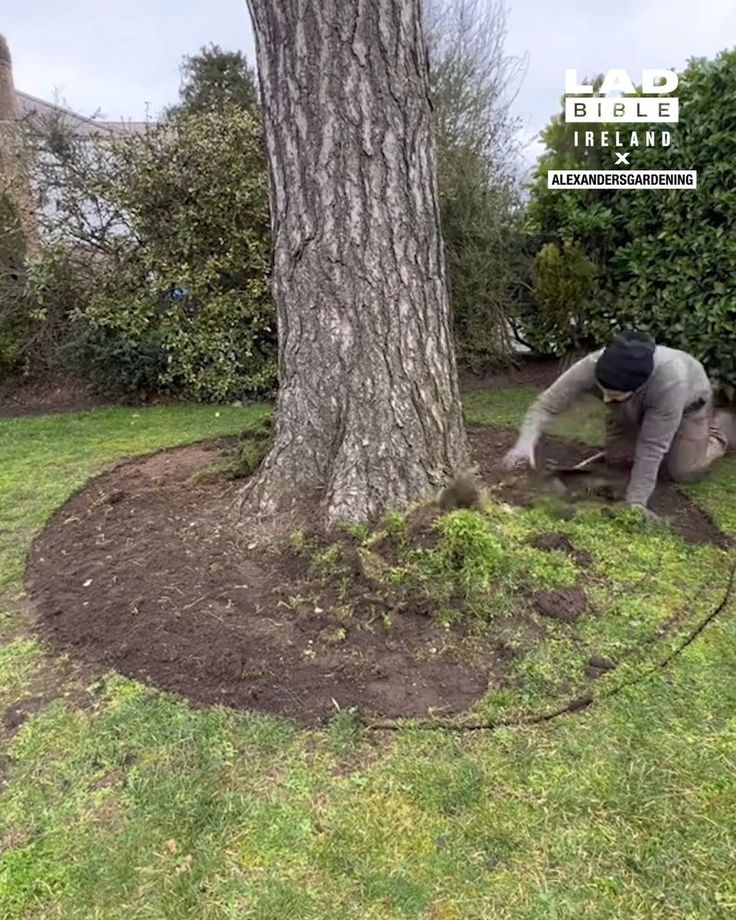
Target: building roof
point(32, 107)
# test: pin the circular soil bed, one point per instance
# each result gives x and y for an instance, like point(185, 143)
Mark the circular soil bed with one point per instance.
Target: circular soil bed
point(142, 572)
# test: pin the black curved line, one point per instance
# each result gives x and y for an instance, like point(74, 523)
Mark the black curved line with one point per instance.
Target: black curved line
point(578, 704)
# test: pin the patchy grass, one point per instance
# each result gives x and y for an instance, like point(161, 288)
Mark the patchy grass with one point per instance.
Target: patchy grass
point(118, 801)
point(19, 659)
point(640, 588)
point(717, 494)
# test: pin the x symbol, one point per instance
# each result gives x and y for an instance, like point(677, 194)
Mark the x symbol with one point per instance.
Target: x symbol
point(623, 158)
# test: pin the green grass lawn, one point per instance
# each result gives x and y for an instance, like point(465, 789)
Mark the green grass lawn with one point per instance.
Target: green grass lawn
point(119, 802)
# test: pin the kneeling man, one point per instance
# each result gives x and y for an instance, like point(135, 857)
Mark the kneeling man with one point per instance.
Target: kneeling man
point(660, 404)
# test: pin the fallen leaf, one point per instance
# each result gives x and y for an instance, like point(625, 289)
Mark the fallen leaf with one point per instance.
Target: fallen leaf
point(186, 865)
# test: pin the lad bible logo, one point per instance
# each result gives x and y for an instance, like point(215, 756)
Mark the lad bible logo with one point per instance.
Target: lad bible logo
point(616, 102)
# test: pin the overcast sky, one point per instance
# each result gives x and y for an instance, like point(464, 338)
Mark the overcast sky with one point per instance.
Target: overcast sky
point(117, 58)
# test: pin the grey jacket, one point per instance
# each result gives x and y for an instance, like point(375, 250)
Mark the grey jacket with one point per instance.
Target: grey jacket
point(678, 382)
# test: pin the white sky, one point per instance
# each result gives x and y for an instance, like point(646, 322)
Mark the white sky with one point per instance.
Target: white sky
point(593, 36)
point(118, 57)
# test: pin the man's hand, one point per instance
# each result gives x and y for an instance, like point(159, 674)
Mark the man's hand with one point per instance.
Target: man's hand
point(648, 514)
point(521, 456)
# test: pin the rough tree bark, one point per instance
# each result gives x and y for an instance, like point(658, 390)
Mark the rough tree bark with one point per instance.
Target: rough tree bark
point(13, 166)
point(368, 415)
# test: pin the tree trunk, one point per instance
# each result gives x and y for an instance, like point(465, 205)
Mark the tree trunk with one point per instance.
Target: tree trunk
point(368, 415)
point(14, 179)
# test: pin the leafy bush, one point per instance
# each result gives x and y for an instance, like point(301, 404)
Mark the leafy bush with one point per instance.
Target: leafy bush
point(158, 272)
point(664, 259)
point(54, 288)
point(477, 216)
point(196, 192)
point(15, 322)
point(116, 362)
point(166, 239)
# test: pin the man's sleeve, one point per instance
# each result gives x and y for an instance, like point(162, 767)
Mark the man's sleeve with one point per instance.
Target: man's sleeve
point(658, 429)
point(574, 383)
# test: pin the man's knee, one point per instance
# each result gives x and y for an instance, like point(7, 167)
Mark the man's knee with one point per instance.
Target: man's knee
point(679, 471)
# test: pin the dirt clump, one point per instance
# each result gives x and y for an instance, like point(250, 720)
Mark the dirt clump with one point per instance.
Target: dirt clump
point(598, 665)
point(565, 604)
point(17, 715)
point(461, 492)
point(561, 542)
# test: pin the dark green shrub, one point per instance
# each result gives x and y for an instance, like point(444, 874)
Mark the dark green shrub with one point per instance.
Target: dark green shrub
point(196, 192)
point(216, 80)
point(664, 260)
point(113, 362)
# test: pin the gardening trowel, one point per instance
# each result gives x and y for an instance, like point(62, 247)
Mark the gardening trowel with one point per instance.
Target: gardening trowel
point(576, 472)
point(580, 480)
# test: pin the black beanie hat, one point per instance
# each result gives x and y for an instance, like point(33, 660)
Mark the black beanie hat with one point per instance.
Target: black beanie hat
point(627, 363)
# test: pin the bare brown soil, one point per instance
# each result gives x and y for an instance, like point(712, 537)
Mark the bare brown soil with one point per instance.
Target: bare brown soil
point(561, 542)
point(21, 397)
point(565, 604)
point(142, 572)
